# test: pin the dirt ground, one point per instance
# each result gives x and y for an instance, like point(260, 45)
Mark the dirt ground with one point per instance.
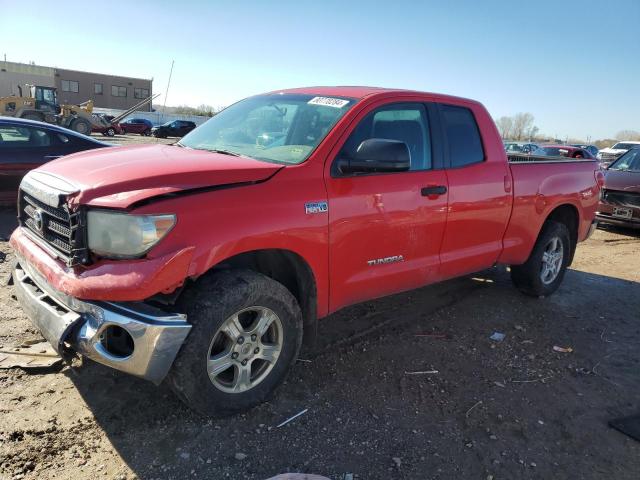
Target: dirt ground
point(494, 410)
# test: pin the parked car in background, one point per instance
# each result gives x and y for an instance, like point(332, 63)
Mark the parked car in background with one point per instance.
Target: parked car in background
point(608, 155)
point(620, 198)
point(141, 126)
point(519, 147)
point(209, 260)
point(27, 144)
point(562, 151)
point(593, 150)
point(109, 131)
point(175, 128)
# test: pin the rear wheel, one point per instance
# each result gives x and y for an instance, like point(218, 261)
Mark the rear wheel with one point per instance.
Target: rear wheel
point(82, 126)
point(146, 133)
point(246, 333)
point(544, 271)
point(111, 132)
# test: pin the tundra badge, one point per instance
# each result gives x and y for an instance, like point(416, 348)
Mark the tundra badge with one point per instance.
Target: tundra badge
point(382, 261)
point(316, 207)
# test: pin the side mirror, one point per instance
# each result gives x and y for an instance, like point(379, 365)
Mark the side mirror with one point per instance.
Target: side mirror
point(377, 155)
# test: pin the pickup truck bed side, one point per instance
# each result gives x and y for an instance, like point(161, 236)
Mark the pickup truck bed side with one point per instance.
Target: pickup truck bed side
point(539, 189)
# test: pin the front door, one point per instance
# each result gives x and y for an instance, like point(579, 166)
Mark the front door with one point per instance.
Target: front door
point(386, 229)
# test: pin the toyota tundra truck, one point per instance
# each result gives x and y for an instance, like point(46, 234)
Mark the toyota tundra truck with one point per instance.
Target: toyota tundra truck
point(205, 263)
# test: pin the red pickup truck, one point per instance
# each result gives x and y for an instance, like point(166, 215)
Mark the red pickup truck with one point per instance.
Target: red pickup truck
point(205, 263)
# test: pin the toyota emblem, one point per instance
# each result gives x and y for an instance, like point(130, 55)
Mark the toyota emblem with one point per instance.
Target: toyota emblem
point(38, 221)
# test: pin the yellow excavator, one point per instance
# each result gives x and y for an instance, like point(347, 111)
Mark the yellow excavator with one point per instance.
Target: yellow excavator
point(41, 103)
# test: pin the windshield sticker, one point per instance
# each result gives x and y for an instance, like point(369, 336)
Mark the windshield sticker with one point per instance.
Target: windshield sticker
point(328, 102)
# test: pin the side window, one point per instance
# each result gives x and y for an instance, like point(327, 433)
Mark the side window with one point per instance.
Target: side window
point(404, 122)
point(23, 137)
point(463, 136)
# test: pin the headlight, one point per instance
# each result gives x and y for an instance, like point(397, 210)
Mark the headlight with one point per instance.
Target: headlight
point(120, 235)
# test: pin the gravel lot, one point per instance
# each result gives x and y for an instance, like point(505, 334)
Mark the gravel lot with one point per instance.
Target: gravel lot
point(513, 409)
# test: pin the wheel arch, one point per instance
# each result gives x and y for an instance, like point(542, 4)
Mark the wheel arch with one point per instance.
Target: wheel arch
point(568, 215)
point(291, 270)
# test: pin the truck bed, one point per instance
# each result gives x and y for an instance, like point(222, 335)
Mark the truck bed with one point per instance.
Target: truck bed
point(538, 183)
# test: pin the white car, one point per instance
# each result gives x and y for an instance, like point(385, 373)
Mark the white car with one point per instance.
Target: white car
point(609, 155)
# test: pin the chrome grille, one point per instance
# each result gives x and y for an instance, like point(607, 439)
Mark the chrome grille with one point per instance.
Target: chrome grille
point(61, 230)
point(625, 199)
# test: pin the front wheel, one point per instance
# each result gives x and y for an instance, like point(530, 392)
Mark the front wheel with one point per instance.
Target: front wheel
point(246, 333)
point(111, 132)
point(543, 272)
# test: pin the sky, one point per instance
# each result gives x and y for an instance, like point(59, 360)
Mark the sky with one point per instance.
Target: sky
point(573, 64)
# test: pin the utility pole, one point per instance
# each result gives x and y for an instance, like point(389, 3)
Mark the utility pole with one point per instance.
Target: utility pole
point(166, 93)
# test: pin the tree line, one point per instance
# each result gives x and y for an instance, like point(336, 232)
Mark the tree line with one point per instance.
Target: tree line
point(521, 127)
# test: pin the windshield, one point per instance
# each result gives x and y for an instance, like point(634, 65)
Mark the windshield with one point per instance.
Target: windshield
point(628, 161)
point(275, 128)
point(624, 146)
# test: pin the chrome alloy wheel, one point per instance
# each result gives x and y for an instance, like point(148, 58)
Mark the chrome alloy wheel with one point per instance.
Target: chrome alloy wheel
point(245, 349)
point(552, 261)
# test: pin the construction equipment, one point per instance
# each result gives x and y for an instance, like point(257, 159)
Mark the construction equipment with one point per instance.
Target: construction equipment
point(41, 103)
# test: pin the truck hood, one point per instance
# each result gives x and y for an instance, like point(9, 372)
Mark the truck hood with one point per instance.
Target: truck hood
point(120, 176)
point(622, 181)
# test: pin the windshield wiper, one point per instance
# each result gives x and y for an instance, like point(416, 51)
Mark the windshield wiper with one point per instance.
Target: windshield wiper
point(223, 152)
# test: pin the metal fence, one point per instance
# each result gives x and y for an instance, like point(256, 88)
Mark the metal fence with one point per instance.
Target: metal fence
point(157, 118)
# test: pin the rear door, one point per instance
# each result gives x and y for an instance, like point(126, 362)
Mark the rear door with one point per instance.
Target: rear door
point(386, 229)
point(479, 190)
point(23, 148)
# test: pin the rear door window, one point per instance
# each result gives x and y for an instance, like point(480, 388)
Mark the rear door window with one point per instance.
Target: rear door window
point(24, 137)
point(462, 136)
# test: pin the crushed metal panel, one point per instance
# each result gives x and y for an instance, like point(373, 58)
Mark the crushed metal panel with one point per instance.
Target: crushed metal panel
point(29, 355)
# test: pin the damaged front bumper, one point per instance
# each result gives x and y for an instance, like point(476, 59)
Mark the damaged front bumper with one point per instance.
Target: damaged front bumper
point(133, 337)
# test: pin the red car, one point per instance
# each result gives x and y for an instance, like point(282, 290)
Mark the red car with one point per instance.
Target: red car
point(563, 151)
point(207, 262)
point(28, 144)
point(108, 131)
point(140, 126)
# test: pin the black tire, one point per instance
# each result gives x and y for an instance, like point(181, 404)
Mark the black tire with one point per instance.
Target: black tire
point(146, 133)
point(33, 116)
point(82, 126)
point(110, 132)
point(528, 277)
point(208, 305)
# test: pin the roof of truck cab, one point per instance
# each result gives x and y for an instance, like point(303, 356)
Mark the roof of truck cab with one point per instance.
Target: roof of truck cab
point(360, 92)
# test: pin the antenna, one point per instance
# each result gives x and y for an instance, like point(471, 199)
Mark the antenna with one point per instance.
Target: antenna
point(164, 106)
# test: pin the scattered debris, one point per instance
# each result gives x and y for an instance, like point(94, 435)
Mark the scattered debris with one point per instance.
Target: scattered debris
point(497, 336)
point(433, 335)
point(35, 354)
point(240, 456)
point(499, 384)
point(303, 360)
point(397, 461)
point(533, 380)
point(292, 418)
point(469, 411)
point(423, 372)
point(562, 349)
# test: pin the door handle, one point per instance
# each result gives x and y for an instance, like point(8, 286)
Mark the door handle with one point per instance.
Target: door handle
point(433, 191)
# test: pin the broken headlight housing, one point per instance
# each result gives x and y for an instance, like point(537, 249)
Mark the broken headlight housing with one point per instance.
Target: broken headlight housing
point(121, 235)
